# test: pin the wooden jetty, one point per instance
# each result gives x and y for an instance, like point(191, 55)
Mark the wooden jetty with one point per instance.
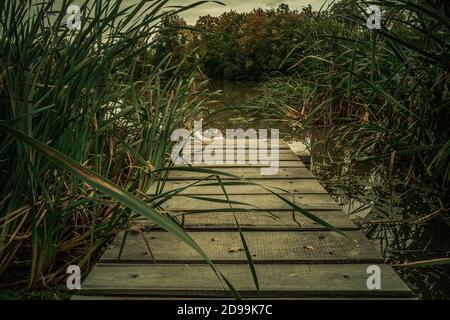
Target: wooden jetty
point(293, 259)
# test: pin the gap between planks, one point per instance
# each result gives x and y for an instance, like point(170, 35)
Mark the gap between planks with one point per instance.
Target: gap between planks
point(290, 264)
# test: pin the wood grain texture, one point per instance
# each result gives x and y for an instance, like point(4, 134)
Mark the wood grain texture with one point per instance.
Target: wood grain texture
point(283, 221)
point(253, 151)
point(247, 164)
point(267, 247)
point(254, 144)
point(294, 259)
point(247, 173)
point(332, 281)
point(257, 201)
point(302, 186)
point(271, 298)
point(286, 155)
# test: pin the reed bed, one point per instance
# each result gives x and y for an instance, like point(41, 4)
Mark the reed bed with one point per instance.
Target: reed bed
point(78, 106)
point(85, 126)
point(386, 91)
point(383, 96)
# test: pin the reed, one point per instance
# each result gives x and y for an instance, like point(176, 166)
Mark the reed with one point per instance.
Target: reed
point(385, 91)
point(85, 127)
point(89, 102)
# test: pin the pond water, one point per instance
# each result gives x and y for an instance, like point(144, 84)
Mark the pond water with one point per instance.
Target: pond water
point(361, 189)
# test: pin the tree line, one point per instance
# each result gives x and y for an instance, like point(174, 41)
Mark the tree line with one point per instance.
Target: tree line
point(234, 46)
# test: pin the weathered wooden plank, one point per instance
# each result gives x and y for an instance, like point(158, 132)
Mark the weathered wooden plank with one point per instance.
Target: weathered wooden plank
point(267, 247)
point(173, 297)
point(286, 155)
point(259, 164)
point(247, 173)
point(276, 220)
point(258, 201)
point(245, 144)
point(302, 186)
point(294, 259)
point(252, 144)
point(253, 151)
point(276, 281)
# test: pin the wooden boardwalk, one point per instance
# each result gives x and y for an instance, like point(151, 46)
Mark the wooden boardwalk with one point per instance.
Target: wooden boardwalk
point(293, 259)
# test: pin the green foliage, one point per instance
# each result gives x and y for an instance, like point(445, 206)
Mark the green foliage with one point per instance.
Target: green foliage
point(236, 46)
point(171, 40)
point(85, 123)
point(384, 94)
point(93, 96)
point(388, 89)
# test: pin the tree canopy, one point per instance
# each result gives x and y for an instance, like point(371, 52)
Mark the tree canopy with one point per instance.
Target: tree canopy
point(236, 46)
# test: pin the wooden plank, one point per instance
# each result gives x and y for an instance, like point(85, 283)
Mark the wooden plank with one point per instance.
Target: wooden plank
point(257, 201)
point(302, 186)
point(247, 144)
point(281, 164)
point(286, 155)
point(253, 151)
point(153, 298)
point(276, 281)
point(267, 247)
point(250, 144)
point(294, 259)
point(257, 221)
point(247, 173)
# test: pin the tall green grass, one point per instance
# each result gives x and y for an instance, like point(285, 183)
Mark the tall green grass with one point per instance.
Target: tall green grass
point(85, 125)
point(91, 95)
point(386, 91)
point(384, 96)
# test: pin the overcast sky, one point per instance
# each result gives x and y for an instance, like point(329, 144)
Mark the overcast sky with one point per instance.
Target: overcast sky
point(215, 9)
point(238, 5)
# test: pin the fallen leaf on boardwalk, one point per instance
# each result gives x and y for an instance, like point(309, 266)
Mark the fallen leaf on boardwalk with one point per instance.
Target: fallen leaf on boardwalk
point(235, 249)
point(138, 227)
point(309, 247)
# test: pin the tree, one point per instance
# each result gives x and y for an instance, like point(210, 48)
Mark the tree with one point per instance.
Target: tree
point(172, 38)
point(238, 46)
point(256, 42)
